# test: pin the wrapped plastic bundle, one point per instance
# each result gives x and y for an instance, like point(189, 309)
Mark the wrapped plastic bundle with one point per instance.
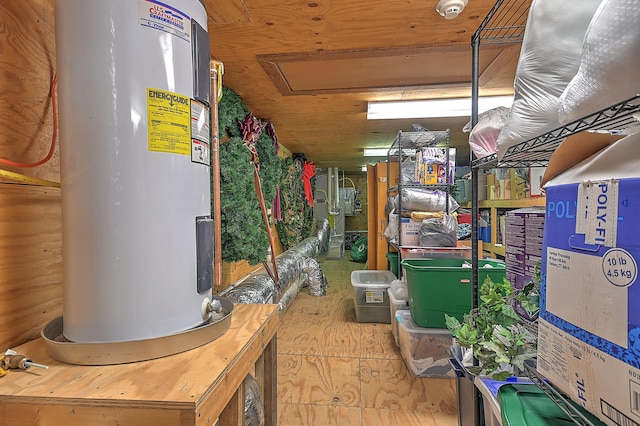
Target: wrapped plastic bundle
point(255, 289)
point(609, 70)
point(439, 232)
point(483, 136)
point(289, 268)
point(289, 295)
point(315, 278)
point(427, 215)
point(549, 58)
point(407, 172)
point(391, 231)
point(425, 200)
point(464, 231)
point(253, 407)
point(323, 236)
point(307, 248)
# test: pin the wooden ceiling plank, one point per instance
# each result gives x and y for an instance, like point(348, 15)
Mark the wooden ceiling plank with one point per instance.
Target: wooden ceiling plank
point(228, 12)
point(503, 58)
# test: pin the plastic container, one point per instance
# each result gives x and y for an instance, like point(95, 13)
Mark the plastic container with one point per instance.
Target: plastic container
point(396, 304)
point(443, 286)
point(527, 405)
point(484, 233)
point(392, 257)
point(425, 350)
point(370, 295)
point(466, 392)
point(489, 390)
point(436, 252)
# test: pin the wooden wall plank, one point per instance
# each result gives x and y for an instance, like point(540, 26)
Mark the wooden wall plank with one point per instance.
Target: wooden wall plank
point(27, 67)
point(82, 416)
point(30, 261)
point(30, 223)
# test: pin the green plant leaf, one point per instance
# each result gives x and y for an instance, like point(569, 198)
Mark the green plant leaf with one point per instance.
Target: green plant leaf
point(452, 324)
point(467, 336)
point(502, 376)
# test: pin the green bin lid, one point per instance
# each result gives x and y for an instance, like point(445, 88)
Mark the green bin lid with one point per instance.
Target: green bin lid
point(527, 405)
point(359, 250)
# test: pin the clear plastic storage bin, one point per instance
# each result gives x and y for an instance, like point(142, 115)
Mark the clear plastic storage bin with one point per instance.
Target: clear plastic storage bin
point(425, 350)
point(396, 303)
point(371, 298)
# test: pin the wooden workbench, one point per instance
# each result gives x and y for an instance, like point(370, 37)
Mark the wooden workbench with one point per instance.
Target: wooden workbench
point(191, 388)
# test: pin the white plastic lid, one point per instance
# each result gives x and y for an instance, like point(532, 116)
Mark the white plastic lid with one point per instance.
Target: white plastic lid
point(360, 278)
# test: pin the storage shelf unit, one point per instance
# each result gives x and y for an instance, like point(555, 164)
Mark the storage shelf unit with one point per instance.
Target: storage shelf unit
point(505, 23)
point(494, 207)
point(405, 145)
point(538, 150)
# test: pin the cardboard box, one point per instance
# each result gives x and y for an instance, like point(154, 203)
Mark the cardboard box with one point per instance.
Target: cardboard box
point(482, 187)
point(410, 230)
point(519, 187)
point(535, 181)
point(523, 245)
point(380, 220)
point(589, 331)
point(523, 240)
point(574, 149)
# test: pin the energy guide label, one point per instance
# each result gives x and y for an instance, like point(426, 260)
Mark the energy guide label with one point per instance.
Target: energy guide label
point(619, 267)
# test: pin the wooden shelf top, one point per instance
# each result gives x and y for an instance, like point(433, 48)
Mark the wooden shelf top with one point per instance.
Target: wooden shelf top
point(498, 249)
point(179, 381)
point(507, 204)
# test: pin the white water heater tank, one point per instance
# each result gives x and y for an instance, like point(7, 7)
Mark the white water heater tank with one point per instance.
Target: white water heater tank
point(134, 97)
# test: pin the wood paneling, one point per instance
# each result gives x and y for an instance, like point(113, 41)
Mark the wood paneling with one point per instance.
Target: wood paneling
point(30, 261)
point(27, 67)
point(331, 128)
point(30, 223)
point(189, 388)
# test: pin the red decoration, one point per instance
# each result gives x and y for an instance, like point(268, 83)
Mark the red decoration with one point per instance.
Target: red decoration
point(308, 171)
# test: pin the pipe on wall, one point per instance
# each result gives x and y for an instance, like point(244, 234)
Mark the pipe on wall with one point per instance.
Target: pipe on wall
point(216, 70)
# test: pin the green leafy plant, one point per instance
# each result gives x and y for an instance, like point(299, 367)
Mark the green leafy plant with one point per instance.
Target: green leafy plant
point(297, 216)
point(243, 231)
point(498, 335)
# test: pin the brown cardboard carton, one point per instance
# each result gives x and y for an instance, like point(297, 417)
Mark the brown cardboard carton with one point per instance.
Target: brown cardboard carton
point(574, 149)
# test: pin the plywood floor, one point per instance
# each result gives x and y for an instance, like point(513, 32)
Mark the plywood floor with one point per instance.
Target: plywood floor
point(333, 370)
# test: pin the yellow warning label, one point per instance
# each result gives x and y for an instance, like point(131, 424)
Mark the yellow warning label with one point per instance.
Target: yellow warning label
point(169, 122)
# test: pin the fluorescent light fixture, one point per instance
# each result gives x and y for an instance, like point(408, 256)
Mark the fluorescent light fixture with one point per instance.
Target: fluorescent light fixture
point(432, 108)
point(375, 152)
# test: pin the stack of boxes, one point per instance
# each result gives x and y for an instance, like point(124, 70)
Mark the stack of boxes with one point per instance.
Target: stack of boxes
point(524, 238)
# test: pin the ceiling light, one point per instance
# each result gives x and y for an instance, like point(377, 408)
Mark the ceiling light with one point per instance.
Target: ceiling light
point(450, 8)
point(375, 152)
point(454, 107)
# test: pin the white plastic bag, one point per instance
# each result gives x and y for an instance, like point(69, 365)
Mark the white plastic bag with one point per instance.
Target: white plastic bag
point(391, 231)
point(610, 68)
point(483, 136)
point(549, 58)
